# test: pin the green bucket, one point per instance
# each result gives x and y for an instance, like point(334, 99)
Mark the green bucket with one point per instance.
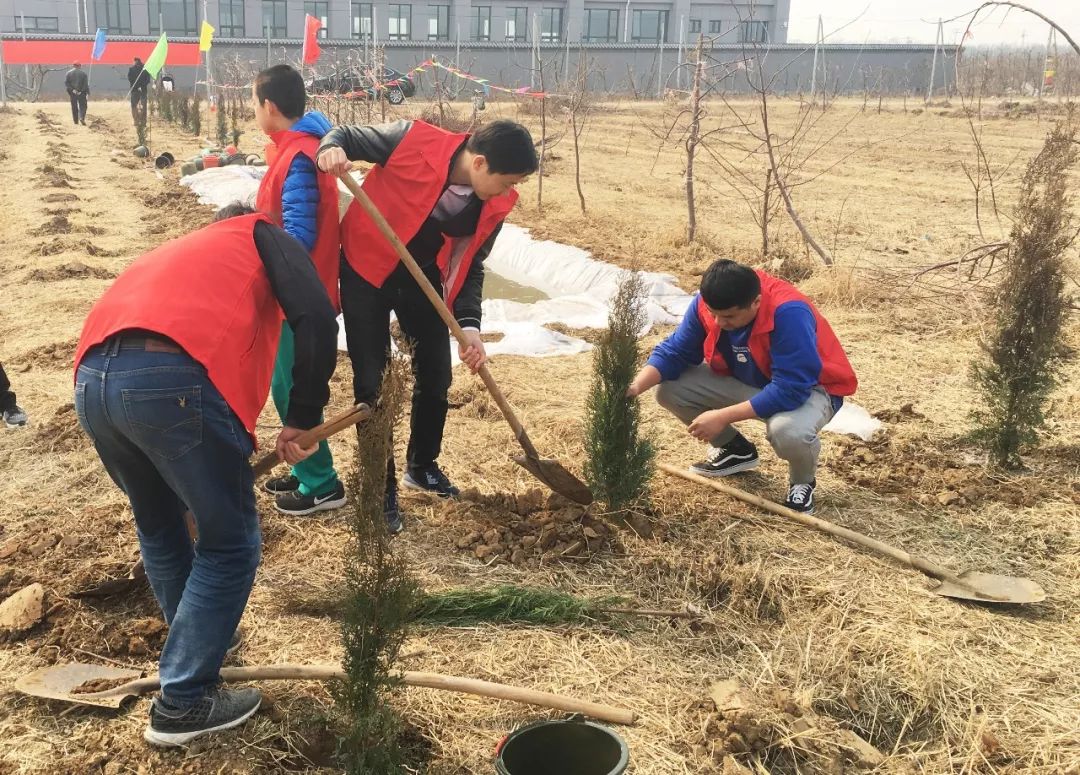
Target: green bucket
point(567, 747)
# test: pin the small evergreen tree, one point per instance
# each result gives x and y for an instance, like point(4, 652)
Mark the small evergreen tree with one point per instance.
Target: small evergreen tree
point(167, 105)
point(183, 111)
point(1022, 356)
point(236, 111)
point(380, 599)
point(619, 463)
point(222, 124)
point(196, 115)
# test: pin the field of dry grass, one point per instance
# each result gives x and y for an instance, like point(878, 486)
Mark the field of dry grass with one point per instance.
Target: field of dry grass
point(829, 640)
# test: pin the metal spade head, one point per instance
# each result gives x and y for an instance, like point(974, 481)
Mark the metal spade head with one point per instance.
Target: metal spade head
point(991, 588)
point(60, 681)
point(555, 476)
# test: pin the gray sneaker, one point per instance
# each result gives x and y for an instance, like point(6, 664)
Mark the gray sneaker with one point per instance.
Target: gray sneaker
point(15, 417)
point(217, 710)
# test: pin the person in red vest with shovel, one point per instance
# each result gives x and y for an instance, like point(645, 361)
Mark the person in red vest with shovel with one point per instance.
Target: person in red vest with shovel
point(446, 195)
point(751, 346)
point(172, 369)
point(304, 202)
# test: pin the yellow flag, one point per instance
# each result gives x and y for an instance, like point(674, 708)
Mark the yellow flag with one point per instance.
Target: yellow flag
point(206, 34)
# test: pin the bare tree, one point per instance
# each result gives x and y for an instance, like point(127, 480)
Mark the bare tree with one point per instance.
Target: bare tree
point(578, 108)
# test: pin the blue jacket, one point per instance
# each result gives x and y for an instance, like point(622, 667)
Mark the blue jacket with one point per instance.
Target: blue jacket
point(795, 360)
point(300, 193)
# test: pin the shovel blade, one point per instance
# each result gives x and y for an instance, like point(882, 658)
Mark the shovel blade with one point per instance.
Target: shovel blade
point(59, 681)
point(554, 475)
point(991, 588)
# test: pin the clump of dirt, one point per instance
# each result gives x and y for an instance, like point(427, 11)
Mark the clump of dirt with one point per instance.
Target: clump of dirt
point(62, 432)
point(52, 170)
point(175, 211)
point(99, 685)
point(48, 355)
point(58, 224)
point(776, 732)
point(65, 211)
point(737, 578)
point(591, 335)
point(905, 413)
point(59, 197)
point(54, 180)
point(73, 270)
point(472, 400)
point(526, 529)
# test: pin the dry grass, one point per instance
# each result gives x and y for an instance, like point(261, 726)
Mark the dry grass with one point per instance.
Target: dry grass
point(851, 641)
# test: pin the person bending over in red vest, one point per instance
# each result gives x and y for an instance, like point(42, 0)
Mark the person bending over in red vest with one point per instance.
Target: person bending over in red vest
point(172, 369)
point(445, 194)
point(305, 203)
point(752, 347)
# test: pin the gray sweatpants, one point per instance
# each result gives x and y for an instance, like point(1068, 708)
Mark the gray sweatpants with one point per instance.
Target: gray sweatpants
point(794, 434)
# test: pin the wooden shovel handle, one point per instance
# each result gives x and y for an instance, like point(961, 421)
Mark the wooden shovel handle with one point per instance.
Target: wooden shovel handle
point(436, 300)
point(339, 422)
point(429, 680)
point(927, 567)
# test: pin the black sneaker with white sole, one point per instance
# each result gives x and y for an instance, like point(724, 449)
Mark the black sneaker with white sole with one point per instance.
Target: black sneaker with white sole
point(217, 710)
point(431, 479)
point(297, 505)
point(15, 417)
point(279, 485)
point(391, 511)
point(736, 456)
point(800, 497)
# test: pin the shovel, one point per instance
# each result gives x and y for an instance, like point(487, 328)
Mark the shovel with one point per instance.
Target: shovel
point(59, 682)
point(136, 577)
point(550, 472)
point(968, 585)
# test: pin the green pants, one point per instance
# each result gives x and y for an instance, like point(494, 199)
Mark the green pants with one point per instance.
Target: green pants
point(316, 474)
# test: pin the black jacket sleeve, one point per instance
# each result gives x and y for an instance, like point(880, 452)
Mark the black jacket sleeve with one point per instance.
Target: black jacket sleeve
point(467, 304)
point(307, 308)
point(372, 144)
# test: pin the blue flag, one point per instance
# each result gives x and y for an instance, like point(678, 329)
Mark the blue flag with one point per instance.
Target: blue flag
point(99, 44)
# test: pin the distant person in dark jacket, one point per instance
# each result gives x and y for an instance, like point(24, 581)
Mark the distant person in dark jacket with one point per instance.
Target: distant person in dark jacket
point(78, 89)
point(138, 80)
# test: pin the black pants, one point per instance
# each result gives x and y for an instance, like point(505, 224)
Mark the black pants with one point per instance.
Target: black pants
point(367, 332)
point(138, 106)
point(78, 107)
point(7, 398)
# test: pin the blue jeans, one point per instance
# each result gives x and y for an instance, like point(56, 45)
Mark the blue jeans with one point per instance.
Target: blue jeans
point(171, 443)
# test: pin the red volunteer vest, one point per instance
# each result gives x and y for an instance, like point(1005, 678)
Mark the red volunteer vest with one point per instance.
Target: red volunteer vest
point(209, 293)
point(405, 191)
point(837, 376)
point(325, 253)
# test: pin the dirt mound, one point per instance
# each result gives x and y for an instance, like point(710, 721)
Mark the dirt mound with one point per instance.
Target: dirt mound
point(73, 270)
point(58, 224)
point(62, 432)
point(54, 180)
point(527, 530)
point(59, 197)
point(49, 355)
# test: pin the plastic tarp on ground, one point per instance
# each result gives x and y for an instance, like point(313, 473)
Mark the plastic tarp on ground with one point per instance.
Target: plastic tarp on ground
point(580, 289)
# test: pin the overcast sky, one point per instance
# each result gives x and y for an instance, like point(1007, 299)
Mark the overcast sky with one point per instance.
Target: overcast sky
point(916, 21)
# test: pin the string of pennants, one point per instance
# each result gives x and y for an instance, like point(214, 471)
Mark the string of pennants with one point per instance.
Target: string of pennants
point(488, 86)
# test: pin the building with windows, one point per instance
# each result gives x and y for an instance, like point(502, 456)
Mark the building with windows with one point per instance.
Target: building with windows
point(518, 21)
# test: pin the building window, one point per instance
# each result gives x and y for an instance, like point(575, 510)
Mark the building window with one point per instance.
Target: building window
point(551, 25)
point(517, 24)
point(754, 32)
point(714, 27)
point(179, 16)
point(650, 26)
point(275, 20)
point(482, 28)
point(114, 15)
point(601, 26)
point(361, 20)
point(438, 22)
point(400, 15)
point(317, 8)
point(37, 23)
point(231, 18)
point(695, 25)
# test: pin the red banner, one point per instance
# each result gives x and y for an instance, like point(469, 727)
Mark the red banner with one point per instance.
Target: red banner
point(64, 52)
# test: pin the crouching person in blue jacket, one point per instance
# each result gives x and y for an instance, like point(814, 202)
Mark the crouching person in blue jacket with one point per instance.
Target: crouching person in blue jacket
point(751, 346)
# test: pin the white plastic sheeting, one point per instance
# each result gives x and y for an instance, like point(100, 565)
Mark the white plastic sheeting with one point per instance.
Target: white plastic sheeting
point(219, 186)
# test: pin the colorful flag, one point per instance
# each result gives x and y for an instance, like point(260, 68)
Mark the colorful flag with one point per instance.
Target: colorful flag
point(312, 25)
point(99, 44)
point(156, 60)
point(206, 36)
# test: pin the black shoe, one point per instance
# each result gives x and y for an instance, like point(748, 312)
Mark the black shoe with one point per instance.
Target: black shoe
point(280, 485)
point(800, 497)
point(217, 710)
point(732, 458)
point(430, 479)
point(235, 642)
point(391, 512)
point(297, 505)
point(15, 417)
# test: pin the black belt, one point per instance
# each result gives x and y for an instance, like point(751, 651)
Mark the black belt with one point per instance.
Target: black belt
point(151, 343)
